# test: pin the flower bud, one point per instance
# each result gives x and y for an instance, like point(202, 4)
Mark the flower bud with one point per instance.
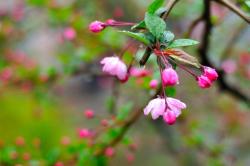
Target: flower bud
point(96, 26)
point(210, 73)
point(84, 133)
point(109, 152)
point(153, 84)
point(204, 82)
point(169, 77)
point(89, 114)
point(69, 33)
point(169, 117)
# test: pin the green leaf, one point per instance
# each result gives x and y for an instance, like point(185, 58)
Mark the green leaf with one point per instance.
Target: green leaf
point(140, 25)
point(138, 36)
point(155, 24)
point(156, 4)
point(166, 37)
point(170, 91)
point(182, 43)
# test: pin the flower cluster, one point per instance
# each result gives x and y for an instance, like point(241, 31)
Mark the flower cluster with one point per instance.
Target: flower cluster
point(169, 108)
point(207, 78)
point(163, 46)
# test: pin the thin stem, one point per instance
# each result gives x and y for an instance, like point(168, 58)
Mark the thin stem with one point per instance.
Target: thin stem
point(183, 67)
point(162, 85)
point(169, 7)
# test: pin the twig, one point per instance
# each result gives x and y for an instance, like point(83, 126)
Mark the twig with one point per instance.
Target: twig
point(125, 127)
point(192, 26)
point(169, 7)
point(235, 9)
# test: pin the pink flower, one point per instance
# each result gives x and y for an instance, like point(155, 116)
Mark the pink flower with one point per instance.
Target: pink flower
point(169, 77)
point(89, 114)
point(109, 152)
point(210, 73)
point(153, 84)
point(69, 33)
point(6, 74)
point(97, 26)
point(229, 66)
point(204, 82)
point(104, 122)
point(59, 163)
point(175, 105)
point(130, 157)
point(84, 133)
point(138, 72)
point(115, 67)
point(157, 107)
point(169, 117)
point(65, 140)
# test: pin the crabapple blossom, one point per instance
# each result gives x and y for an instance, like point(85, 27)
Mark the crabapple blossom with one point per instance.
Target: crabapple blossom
point(89, 114)
point(104, 122)
point(210, 73)
point(69, 33)
point(169, 77)
point(65, 140)
point(20, 141)
point(229, 66)
point(26, 156)
point(169, 117)
point(130, 157)
point(204, 82)
point(84, 133)
point(97, 26)
point(59, 163)
point(138, 72)
point(175, 105)
point(115, 67)
point(153, 84)
point(157, 107)
point(109, 152)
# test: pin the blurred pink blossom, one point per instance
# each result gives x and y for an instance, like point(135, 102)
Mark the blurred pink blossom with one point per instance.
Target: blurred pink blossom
point(138, 72)
point(69, 33)
point(153, 84)
point(89, 113)
point(109, 152)
point(229, 66)
point(84, 133)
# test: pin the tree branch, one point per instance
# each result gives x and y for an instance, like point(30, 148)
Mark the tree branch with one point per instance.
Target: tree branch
point(203, 51)
point(125, 126)
point(235, 9)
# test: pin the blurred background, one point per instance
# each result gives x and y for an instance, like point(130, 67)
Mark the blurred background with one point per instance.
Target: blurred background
point(50, 76)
